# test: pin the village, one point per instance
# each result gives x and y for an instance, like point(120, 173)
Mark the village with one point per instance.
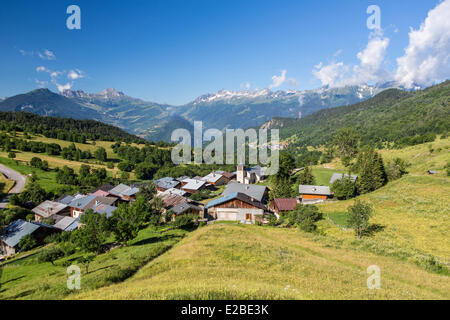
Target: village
point(244, 199)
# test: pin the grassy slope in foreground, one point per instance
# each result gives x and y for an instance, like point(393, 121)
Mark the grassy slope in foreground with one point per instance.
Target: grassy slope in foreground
point(29, 279)
point(226, 261)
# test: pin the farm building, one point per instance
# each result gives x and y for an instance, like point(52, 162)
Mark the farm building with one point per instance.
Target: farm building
point(282, 205)
point(18, 229)
point(254, 191)
point(236, 207)
point(49, 208)
point(79, 205)
point(339, 176)
point(102, 191)
point(66, 223)
point(313, 194)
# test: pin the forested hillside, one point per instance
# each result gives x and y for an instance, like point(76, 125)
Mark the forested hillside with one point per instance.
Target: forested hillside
point(394, 116)
point(64, 129)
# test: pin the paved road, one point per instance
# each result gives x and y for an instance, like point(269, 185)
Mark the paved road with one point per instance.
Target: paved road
point(18, 187)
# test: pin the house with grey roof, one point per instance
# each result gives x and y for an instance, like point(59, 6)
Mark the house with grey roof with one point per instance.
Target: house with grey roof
point(13, 233)
point(193, 185)
point(166, 183)
point(314, 194)
point(237, 206)
point(257, 192)
point(216, 178)
point(124, 192)
point(49, 208)
point(339, 176)
point(67, 224)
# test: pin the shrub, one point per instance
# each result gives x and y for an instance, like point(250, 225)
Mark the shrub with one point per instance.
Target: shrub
point(344, 188)
point(359, 214)
point(27, 243)
point(50, 255)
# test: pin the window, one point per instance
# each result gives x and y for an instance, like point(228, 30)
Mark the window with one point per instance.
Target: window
point(248, 217)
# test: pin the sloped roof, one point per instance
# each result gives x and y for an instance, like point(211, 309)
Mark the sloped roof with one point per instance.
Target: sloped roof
point(130, 192)
point(239, 196)
point(316, 190)
point(171, 200)
point(339, 176)
point(67, 224)
point(229, 175)
point(213, 177)
point(118, 190)
point(285, 204)
point(19, 229)
point(83, 202)
point(184, 206)
point(65, 199)
point(193, 184)
point(104, 208)
point(252, 190)
point(105, 187)
point(48, 208)
point(260, 171)
point(174, 191)
point(166, 183)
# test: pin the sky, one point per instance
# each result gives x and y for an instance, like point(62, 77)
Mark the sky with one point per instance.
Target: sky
point(174, 51)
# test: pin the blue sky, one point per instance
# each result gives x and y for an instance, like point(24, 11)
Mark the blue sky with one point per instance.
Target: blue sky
point(173, 51)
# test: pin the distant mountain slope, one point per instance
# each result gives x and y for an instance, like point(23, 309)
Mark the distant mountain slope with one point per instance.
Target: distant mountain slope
point(243, 109)
point(42, 124)
point(153, 121)
point(389, 116)
point(43, 102)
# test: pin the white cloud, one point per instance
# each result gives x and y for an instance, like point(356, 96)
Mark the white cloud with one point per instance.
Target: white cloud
point(61, 87)
point(75, 74)
point(41, 84)
point(42, 69)
point(427, 57)
point(278, 81)
point(369, 69)
point(47, 55)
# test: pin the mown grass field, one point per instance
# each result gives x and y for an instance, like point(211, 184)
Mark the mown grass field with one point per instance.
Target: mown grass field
point(229, 261)
point(26, 278)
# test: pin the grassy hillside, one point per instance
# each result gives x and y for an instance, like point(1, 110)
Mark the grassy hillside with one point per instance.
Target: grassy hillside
point(227, 261)
point(387, 117)
point(409, 243)
point(26, 278)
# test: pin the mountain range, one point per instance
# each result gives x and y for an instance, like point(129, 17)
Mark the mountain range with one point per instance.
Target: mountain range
point(221, 110)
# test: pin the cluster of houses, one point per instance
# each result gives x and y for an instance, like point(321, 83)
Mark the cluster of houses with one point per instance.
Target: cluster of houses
point(242, 200)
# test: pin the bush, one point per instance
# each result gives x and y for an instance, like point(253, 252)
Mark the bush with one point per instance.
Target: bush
point(303, 217)
point(344, 188)
point(186, 221)
point(396, 169)
point(27, 243)
point(50, 255)
point(359, 214)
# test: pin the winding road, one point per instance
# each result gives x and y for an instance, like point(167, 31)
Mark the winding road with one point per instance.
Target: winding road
point(18, 186)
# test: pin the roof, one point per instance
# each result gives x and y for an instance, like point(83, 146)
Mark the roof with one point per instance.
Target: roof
point(318, 190)
point(339, 176)
point(106, 188)
point(193, 184)
point(174, 191)
point(118, 190)
point(83, 202)
point(213, 177)
point(130, 192)
point(229, 175)
point(239, 196)
point(48, 208)
point(259, 171)
point(183, 207)
point(65, 199)
point(19, 229)
point(166, 183)
point(251, 190)
point(171, 200)
point(100, 193)
point(285, 204)
point(67, 224)
point(104, 208)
